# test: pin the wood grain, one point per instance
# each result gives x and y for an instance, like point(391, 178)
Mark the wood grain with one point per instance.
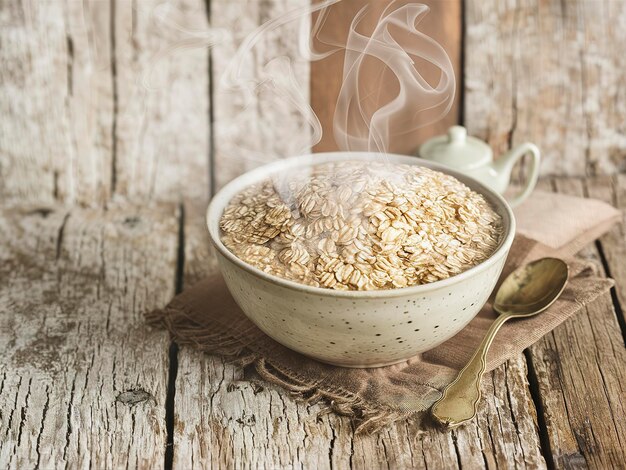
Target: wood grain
point(103, 99)
point(443, 24)
point(162, 121)
point(613, 244)
point(82, 380)
point(226, 417)
point(548, 72)
point(57, 141)
point(580, 380)
point(262, 126)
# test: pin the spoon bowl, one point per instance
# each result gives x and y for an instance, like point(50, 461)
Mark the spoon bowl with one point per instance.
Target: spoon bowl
point(527, 291)
point(532, 288)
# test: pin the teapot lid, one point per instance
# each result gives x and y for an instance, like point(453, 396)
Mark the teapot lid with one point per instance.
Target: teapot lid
point(457, 150)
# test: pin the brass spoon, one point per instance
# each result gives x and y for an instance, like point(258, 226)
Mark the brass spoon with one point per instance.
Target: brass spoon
point(525, 292)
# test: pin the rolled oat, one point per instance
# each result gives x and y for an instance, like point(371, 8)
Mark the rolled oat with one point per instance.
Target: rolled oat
point(362, 226)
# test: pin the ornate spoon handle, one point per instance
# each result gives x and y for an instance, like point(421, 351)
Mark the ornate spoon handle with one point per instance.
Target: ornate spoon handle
point(460, 399)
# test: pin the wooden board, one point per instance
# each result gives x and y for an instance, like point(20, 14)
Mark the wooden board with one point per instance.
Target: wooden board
point(83, 124)
point(84, 383)
point(579, 374)
point(253, 122)
point(82, 379)
point(443, 23)
point(613, 244)
point(548, 72)
point(162, 104)
point(226, 418)
point(37, 82)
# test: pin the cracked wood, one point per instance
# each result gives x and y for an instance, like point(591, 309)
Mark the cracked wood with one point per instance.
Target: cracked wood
point(613, 244)
point(549, 72)
point(83, 381)
point(103, 97)
point(581, 378)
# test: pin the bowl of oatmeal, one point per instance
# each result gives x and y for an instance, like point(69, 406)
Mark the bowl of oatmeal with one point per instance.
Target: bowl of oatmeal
point(359, 259)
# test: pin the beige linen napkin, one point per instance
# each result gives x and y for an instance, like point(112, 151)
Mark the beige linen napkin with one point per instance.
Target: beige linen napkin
point(564, 223)
point(206, 316)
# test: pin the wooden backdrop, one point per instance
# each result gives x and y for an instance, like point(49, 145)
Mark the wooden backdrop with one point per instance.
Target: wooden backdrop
point(117, 97)
point(548, 72)
point(111, 143)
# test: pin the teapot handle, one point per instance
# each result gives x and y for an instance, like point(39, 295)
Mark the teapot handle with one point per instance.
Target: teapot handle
point(533, 173)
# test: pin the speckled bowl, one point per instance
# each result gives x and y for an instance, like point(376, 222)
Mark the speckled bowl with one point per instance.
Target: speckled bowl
point(357, 328)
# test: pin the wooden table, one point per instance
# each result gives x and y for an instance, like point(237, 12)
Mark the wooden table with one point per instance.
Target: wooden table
point(103, 184)
point(84, 382)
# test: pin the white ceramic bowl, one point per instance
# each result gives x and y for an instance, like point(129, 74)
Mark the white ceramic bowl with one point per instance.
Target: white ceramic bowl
point(357, 328)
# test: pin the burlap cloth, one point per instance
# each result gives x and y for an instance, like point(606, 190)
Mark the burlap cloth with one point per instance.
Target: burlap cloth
point(206, 316)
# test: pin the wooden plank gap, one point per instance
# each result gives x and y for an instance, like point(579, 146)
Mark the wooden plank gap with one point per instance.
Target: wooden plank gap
point(514, 87)
point(59, 242)
point(619, 312)
point(460, 79)
point(170, 401)
point(617, 306)
point(211, 128)
point(457, 453)
point(55, 185)
point(114, 93)
point(211, 155)
point(170, 398)
point(180, 257)
point(70, 64)
point(46, 407)
point(535, 394)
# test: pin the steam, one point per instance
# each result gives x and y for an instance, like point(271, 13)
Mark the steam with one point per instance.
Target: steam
point(358, 123)
point(394, 56)
point(170, 21)
point(361, 122)
point(275, 82)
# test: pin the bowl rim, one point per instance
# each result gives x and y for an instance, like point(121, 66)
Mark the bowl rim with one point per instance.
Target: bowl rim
point(225, 194)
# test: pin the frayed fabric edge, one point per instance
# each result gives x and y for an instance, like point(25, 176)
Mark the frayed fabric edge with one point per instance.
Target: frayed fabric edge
point(367, 418)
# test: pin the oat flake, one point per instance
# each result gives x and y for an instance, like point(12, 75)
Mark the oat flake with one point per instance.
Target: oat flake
point(362, 226)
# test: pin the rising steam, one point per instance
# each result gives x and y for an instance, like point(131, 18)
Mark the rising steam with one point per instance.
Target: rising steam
point(392, 57)
point(386, 58)
point(360, 122)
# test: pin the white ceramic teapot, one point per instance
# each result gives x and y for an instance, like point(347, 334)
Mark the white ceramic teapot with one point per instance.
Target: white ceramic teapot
point(474, 157)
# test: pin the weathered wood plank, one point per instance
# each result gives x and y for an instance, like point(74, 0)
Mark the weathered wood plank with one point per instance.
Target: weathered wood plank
point(257, 123)
point(82, 380)
point(548, 72)
point(613, 191)
point(580, 378)
point(161, 78)
point(103, 97)
point(56, 99)
point(226, 417)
